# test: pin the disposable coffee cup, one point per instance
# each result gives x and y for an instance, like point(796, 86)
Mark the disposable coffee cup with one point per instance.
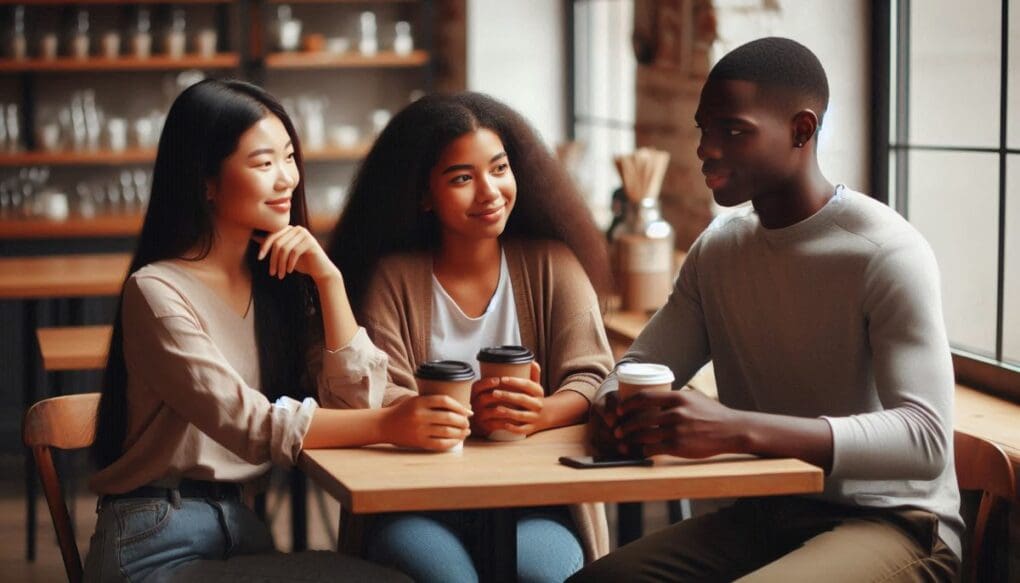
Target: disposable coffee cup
point(636, 377)
point(505, 361)
point(446, 377)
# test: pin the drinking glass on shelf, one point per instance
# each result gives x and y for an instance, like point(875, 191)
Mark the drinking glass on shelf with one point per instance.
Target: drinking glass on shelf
point(116, 128)
point(369, 43)
point(312, 110)
point(205, 43)
point(13, 127)
point(5, 200)
point(140, 178)
point(127, 189)
point(49, 45)
point(403, 44)
point(110, 43)
point(175, 38)
point(80, 38)
point(19, 44)
point(49, 136)
point(86, 205)
point(288, 29)
point(141, 42)
point(380, 117)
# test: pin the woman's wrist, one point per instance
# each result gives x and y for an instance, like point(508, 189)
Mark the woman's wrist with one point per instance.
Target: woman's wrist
point(331, 277)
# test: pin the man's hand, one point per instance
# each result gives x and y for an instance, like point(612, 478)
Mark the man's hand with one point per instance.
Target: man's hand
point(603, 422)
point(683, 423)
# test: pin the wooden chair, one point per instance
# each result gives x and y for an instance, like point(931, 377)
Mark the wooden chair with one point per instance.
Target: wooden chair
point(66, 422)
point(982, 465)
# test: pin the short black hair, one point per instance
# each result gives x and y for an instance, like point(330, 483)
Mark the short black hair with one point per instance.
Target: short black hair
point(775, 62)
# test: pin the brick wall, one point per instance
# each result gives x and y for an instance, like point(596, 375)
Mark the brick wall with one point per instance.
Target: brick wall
point(672, 39)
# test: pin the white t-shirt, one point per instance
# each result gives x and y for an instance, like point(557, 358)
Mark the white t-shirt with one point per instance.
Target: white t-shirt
point(455, 336)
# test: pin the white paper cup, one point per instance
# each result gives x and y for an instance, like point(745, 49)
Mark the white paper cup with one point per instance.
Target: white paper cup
point(637, 377)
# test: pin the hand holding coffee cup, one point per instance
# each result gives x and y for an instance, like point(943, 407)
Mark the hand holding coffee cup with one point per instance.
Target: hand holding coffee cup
point(438, 418)
point(638, 379)
point(509, 397)
point(602, 423)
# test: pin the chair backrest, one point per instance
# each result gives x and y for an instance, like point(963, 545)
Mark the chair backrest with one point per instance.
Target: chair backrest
point(66, 423)
point(981, 465)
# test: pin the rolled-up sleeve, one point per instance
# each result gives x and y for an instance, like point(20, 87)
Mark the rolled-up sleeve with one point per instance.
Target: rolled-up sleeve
point(353, 377)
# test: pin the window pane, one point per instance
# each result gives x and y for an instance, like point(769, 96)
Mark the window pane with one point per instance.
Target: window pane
point(605, 63)
point(1013, 87)
point(953, 200)
point(597, 176)
point(1011, 307)
point(955, 72)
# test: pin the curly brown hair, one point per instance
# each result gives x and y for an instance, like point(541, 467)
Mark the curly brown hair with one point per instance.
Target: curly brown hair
point(384, 212)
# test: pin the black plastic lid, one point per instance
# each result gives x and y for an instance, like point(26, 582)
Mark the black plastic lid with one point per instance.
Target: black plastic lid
point(445, 370)
point(506, 354)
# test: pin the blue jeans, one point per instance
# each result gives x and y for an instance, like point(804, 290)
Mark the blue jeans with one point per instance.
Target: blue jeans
point(198, 539)
point(435, 546)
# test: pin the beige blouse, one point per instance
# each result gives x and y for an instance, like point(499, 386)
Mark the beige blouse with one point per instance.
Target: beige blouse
point(195, 408)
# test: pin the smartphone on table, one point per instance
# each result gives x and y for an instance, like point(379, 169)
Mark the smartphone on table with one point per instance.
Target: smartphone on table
point(584, 462)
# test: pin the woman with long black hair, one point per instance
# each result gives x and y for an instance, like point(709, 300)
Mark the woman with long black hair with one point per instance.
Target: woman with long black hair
point(462, 232)
point(232, 318)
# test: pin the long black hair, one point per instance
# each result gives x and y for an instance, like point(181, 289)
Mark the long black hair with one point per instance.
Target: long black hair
point(384, 212)
point(202, 129)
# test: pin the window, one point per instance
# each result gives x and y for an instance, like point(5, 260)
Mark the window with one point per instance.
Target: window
point(948, 156)
point(602, 100)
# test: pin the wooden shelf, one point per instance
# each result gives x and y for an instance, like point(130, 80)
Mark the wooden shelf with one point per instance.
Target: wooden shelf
point(76, 158)
point(112, 225)
point(349, 60)
point(100, 226)
point(126, 63)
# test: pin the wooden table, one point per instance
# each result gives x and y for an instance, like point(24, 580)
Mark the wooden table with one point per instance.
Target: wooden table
point(74, 348)
point(31, 279)
point(499, 476)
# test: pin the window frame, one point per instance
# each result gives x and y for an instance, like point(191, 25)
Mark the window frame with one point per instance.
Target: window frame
point(890, 101)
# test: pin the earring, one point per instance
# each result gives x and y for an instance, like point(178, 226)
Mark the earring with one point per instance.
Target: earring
point(798, 144)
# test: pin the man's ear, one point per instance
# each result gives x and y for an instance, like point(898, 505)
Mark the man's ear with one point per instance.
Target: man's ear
point(805, 127)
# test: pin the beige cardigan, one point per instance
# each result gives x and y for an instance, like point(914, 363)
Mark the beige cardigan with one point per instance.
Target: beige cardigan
point(559, 318)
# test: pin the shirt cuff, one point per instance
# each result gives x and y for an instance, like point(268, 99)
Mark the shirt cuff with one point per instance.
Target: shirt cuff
point(844, 433)
point(291, 419)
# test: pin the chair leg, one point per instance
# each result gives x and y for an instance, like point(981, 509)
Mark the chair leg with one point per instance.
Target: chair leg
point(679, 510)
point(298, 510)
point(629, 522)
point(58, 511)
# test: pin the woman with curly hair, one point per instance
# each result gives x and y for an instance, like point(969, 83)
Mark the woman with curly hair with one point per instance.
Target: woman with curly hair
point(462, 232)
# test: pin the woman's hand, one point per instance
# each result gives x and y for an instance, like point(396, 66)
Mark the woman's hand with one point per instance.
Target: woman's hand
point(436, 422)
point(508, 403)
point(295, 248)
